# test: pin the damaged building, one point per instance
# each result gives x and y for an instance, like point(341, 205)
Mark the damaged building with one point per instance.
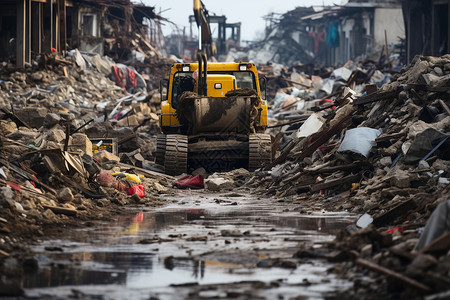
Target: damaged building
point(334, 35)
point(31, 27)
point(225, 37)
point(427, 27)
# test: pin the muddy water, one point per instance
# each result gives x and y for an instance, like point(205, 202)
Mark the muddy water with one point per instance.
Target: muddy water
point(213, 246)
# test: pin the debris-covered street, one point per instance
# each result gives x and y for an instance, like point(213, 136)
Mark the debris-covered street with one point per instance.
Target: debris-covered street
point(311, 163)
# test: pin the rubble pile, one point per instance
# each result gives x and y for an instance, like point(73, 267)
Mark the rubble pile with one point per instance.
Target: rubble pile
point(385, 155)
point(57, 121)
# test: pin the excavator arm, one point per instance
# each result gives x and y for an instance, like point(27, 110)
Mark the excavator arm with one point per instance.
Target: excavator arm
point(205, 36)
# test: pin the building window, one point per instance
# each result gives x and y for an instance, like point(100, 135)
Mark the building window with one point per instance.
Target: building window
point(89, 25)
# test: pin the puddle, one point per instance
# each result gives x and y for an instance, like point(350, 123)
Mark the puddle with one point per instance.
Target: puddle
point(187, 252)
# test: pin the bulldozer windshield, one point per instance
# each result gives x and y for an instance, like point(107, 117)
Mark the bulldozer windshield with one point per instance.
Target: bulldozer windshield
point(182, 82)
point(244, 79)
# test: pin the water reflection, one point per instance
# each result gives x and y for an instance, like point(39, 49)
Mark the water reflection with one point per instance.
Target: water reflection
point(152, 249)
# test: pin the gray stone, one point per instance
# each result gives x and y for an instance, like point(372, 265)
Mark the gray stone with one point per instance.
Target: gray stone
point(104, 156)
point(49, 215)
point(33, 116)
point(51, 120)
point(18, 77)
point(417, 70)
point(65, 195)
point(218, 183)
point(421, 263)
point(56, 135)
point(25, 137)
point(423, 165)
point(438, 71)
point(440, 164)
point(7, 127)
point(18, 207)
point(37, 76)
point(401, 179)
point(81, 142)
point(366, 251)
point(386, 161)
point(7, 197)
point(200, 171)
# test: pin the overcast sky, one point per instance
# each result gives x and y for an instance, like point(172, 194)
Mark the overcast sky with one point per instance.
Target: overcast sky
point(248, 12)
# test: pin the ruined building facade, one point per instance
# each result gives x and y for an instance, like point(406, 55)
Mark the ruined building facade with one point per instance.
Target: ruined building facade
point(31, 27)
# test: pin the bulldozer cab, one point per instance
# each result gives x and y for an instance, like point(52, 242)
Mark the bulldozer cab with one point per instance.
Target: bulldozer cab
point(218, 85)
point(221, 78)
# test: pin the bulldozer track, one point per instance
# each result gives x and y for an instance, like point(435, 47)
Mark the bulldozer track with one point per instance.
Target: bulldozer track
point(176, 154)
point(259, 151)
point(160, 149)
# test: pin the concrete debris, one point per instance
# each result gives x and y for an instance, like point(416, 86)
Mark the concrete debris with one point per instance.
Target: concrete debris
point(218, 183)
point(51, 112)
point(394, 183)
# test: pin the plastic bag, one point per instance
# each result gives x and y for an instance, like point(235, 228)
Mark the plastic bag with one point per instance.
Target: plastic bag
point(138, 190)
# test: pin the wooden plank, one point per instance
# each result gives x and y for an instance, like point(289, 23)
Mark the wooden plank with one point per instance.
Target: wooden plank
point(428, 88)
point(388, 137)
point(26, 175)
point(147, 173)
point(322, 137)
point(21, 36)
point(444, 106)
point(62, 26)
point(14, 118)
point(357, 165)
point(375, 97)
point(332, 183)
point(394, 213)
point(61, 210)
point(382, 270)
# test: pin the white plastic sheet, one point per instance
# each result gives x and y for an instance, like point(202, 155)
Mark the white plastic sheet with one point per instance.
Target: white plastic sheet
point(359, 140)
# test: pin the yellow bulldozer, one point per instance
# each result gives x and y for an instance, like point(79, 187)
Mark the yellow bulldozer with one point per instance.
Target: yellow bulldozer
point(213, 115)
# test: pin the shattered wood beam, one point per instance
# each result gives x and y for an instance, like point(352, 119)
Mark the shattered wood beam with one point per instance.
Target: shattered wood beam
point(428, 88)
point(148, 173)
point(21, 36)
point(388, 137)
point(14, 118)
point(332, 183)
point(5, 139)
point(26, 175)
point(357, 165)
point(299, 120)
point(322, 137)
point(375, 97)
point(61, 210)
point(379, 269)
point(62, 26)
point(394, 213)
point(283, 155)
point(444, 106)
point(276, 143)
point(29, 190)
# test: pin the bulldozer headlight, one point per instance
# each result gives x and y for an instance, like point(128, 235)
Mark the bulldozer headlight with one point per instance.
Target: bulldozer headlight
point(245, 67)
point(218, 86)
point(186, 68)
